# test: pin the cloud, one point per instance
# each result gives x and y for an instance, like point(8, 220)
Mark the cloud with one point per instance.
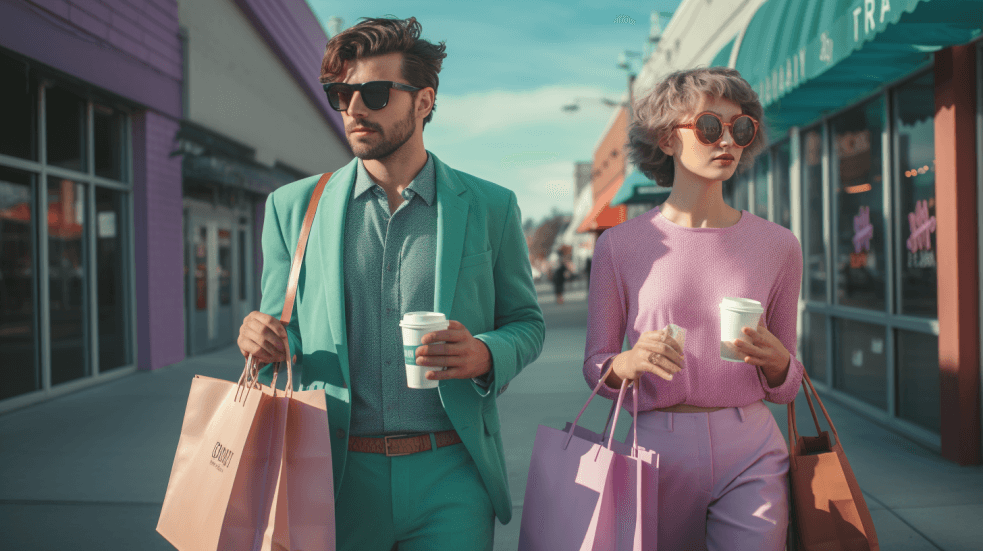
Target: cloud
point(522, 140)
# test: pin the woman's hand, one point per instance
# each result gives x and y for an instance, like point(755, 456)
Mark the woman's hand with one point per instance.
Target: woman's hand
point(766, 352)
point(655, 352)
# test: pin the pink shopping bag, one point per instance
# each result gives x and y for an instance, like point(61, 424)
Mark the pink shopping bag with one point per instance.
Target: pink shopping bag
point(584, 494)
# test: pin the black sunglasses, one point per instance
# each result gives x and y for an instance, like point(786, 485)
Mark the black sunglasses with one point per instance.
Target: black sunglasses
point(709, 129)
point(375, 94)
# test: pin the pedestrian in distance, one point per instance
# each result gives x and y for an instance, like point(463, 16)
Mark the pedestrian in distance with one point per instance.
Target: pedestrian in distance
point(723, 461)
point(559, 279)
point(399, 231)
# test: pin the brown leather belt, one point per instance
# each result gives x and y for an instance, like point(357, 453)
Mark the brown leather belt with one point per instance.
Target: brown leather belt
point(401, 444)
point(686, 408)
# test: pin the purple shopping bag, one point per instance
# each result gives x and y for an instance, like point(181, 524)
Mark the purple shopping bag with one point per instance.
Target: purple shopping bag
point(584, 494)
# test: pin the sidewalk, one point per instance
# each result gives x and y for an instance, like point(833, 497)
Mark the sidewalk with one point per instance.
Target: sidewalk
point(89, 470)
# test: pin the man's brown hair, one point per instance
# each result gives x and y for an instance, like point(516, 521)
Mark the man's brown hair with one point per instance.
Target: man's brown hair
point(379, 36)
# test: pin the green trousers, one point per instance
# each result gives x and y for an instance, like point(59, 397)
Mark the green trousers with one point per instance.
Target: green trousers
point(432, 500)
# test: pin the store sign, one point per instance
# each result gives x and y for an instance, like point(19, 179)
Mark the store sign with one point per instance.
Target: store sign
point(846, 32)
point(868, 10)
point(919, 242)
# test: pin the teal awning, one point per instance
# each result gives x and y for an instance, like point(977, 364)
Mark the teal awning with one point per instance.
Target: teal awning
point(637, 188)
point(806, 57)
point(722, 59)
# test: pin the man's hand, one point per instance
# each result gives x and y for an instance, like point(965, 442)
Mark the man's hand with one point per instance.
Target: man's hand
point(464, 356)
point(263, 336)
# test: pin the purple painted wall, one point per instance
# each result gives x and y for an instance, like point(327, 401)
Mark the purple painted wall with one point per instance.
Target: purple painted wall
point(158, 232)
point(130, 48)
point(292, 31)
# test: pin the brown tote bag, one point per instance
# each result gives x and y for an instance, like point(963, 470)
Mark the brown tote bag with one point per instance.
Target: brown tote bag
point(253, 465)
point(828, 511)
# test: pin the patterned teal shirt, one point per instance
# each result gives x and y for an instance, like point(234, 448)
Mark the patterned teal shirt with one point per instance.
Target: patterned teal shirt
point(390, 266)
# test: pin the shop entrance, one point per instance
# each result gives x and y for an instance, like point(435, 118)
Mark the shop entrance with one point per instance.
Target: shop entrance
point(217, 281)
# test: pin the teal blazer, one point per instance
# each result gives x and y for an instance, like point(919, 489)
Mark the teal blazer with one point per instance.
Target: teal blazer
point(484, 281)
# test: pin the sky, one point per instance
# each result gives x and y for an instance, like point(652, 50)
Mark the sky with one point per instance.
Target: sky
point(510, 68)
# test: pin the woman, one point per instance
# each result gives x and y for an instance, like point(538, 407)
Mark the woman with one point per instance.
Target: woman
point(723, 460)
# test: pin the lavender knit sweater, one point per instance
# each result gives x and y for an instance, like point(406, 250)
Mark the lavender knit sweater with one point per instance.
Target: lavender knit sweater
point(649, 272)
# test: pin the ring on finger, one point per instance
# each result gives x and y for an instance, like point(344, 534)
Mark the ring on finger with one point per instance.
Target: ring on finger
point(654, 357)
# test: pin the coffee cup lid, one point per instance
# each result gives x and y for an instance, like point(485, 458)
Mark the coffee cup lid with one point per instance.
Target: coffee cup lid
point(420, 319)
point(739, 304)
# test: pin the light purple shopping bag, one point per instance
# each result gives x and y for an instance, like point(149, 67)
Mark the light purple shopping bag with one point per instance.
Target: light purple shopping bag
point(583, 494)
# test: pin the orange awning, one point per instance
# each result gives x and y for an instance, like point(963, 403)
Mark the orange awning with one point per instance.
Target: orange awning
point(602, 215)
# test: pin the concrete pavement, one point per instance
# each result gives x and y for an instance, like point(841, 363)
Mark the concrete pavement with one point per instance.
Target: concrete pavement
point(89, 470)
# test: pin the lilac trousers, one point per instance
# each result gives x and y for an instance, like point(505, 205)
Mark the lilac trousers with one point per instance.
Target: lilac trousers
point(722, 478)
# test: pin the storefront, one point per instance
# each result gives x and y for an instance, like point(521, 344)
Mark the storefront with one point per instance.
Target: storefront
point(873, 112)
point(128, 152)
point(607, 174)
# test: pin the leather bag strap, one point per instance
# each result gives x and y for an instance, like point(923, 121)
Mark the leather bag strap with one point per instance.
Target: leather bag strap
point(305, 231)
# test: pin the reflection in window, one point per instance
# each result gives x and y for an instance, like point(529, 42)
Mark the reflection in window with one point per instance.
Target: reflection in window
point(17, 290)
point(242, 264)
point(111, 275)
point(65, 116)
point(783, 203)
point(108, 141)
point(760, 199)
point(201, 269)
point(67, 281)
point(859, 200)
point(918, 379)
point(815, 346)
point(861, 361)
point(915, 122)
point(18, 123)
point(813, 212)
point(741, 198)
point(224, 267)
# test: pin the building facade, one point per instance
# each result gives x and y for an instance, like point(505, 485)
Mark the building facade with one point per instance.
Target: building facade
point(138, 140)
point(874, 117)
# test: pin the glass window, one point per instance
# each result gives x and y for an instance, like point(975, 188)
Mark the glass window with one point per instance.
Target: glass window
point(243, 261)
point(17, 288)
point(760, 199)
point(741, 198)
point(779, 174)
point(813, 212)
point(857, 182)
point(815, 346)
point(108, 141)
point(112, 280)
point(65, 128)
point(861, 362)
point(915, 120)
point(224, 267)
point(18, 123)
point(918, 379)
point(67, 281)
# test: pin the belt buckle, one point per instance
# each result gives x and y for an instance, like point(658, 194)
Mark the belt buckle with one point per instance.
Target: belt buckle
point(385, 440)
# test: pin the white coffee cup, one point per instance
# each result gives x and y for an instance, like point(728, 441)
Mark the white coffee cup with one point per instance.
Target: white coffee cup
point(415, 325)
point(736, 314)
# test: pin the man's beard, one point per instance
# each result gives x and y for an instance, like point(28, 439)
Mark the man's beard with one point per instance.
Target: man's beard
point(402, 131)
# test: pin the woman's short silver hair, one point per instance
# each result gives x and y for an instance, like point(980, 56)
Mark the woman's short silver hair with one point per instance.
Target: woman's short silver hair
point(656, 114)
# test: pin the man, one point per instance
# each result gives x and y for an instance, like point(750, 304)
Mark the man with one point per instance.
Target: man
point(399, 231)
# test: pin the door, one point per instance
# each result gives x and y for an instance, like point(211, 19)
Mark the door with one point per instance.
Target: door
point(212, 280)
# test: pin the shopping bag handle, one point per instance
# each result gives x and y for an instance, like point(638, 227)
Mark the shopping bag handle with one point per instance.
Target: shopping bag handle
point(793, 429)
point(298, 260)
point(616, 406)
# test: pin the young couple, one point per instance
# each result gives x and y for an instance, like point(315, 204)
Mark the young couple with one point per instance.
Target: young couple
point(397, 231)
